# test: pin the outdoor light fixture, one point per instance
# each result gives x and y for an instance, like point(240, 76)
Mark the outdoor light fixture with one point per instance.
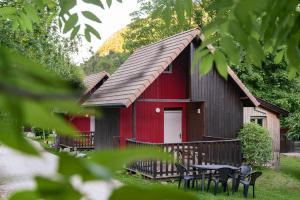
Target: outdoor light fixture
point(198, 110)
point(157, 110)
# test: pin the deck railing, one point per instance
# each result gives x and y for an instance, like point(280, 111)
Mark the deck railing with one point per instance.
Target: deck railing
point(84, 140)
point(188, 153)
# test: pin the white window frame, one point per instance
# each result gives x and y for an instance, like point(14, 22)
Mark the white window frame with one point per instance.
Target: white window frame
point(256, 118)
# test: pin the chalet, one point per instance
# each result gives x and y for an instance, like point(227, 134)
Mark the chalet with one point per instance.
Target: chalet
point(84, 124)
point(156, 98)
point(268, 115)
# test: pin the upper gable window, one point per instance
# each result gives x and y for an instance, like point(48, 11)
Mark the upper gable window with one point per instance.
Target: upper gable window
point(169, 69)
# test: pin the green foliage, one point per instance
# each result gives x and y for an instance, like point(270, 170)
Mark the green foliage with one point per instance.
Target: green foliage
point(256, 144)
point(152, 28)
point(274, 24)
point(271, 83)
point(39, 132)
point(108, 63)
point(293, 122)
point(255, 27)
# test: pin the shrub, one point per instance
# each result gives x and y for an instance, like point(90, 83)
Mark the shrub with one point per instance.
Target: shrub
point(293, 126)
point(256, 144)
point(39, 132)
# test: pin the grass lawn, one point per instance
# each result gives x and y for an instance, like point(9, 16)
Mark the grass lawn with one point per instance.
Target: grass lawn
point(272, 185)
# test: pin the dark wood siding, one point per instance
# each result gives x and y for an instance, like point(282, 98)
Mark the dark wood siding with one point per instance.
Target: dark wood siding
point(195, 121)
point(107, 128)
point(223, 106)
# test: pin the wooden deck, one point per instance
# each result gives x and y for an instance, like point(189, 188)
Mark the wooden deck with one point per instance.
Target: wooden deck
point(189, 153)
point(84, 141)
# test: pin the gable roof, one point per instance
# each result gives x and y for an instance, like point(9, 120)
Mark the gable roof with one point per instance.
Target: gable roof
point(272, 107)
point(141, 69)
point(93, 81)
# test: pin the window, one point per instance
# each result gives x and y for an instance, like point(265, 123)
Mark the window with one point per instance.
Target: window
point(258, 120)
point(169, 69)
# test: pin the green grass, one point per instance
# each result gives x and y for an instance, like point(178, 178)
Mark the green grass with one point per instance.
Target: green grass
point(272, 185)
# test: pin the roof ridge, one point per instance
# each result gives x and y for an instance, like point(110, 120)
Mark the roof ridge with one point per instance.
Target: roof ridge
point(181, 33)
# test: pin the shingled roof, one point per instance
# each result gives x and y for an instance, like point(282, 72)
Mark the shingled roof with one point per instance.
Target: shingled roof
point(272, 107)
point(141, 69)
point(93, 81)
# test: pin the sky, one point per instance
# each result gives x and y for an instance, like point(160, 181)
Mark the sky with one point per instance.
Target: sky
point(113, 19)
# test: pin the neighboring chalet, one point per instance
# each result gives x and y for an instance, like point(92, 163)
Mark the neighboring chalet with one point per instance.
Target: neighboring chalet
point(268, 115)
point(84, 124)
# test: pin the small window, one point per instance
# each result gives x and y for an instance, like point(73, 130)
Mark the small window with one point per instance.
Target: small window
point(258, 120)
point(169, 69)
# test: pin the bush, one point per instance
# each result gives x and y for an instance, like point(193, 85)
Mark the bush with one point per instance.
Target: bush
point(293, 126)
point(39, 132)
point(256, 144)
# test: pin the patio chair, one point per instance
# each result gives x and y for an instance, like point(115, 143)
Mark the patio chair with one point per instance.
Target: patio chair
point(221, 176)
point(184, 175)
point(250, 181)
point(244, 171)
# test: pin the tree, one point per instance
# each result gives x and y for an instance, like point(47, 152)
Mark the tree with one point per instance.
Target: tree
point(148, 25)
point(108, 63)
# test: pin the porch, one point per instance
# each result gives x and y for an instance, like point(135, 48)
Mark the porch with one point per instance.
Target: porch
point(82, 141)
point(209, 151)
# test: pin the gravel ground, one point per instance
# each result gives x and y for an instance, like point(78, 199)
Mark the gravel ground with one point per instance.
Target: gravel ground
point(17, 171)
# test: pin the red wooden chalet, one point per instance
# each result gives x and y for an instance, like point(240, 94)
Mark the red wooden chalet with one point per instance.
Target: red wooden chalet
point(156, 97)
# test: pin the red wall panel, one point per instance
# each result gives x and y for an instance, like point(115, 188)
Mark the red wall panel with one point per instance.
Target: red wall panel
point(81, 123)
point(149, 124)
point(125, 124)
point(171, 86)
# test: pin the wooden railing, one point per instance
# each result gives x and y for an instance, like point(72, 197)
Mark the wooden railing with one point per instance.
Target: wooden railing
point(84, 140)
point(188, 153)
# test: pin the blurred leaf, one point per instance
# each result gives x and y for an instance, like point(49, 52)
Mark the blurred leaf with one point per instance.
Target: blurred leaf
point(24, 195)
point(279, 56)
point(70, 166)
point(66, 5)
point(36, 115)
point(167, 14)
point(206, 64)
point(90, 29)
point(293, 52)
point(122, 157)
point(56, 189)
point(6, 11)
point(26, 23)
point(238, 33)
point(230, 49)
point(12, 137)
point(31, 13)
point(70, 23)
point(95, 2)
point(87, 35)
point(75, 32)
point(179, 7)
point(109, 2)
point(130, 192)
point(91, 16)
point(188, 5)
point(221, 63)
point(256, 53)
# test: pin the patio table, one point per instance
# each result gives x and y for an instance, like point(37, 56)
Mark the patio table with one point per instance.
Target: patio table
point(204, 168)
